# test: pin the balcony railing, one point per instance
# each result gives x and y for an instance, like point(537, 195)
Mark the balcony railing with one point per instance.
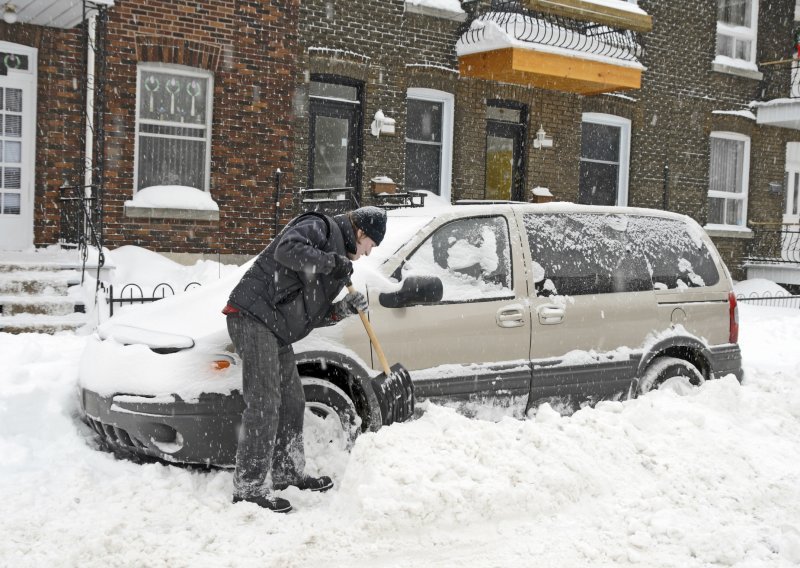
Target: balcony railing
point(555, 31)
point(775, 243)
point(781, 79)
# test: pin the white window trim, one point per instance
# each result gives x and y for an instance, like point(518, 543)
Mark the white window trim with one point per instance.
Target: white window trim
point(624, 149)
point(743, 33)
point(448, 104)
point(188, 72)
point(743, 196)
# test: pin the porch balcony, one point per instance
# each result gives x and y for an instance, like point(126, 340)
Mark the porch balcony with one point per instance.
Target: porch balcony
point(575, 46)
point(774, 253)
point(780, 94)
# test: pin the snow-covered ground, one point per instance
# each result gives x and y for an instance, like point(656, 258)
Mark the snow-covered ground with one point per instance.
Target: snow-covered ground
point(707, 479)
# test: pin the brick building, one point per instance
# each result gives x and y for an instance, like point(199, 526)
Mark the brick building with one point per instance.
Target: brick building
point(668, 104)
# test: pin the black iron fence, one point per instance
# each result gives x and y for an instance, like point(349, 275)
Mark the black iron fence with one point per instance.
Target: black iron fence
point(79, 223)
point(770, 299)
point(774, 243)
point(133, 294)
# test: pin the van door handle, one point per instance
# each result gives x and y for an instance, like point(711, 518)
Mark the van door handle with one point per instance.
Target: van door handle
point(511, 316)
point(550, 314)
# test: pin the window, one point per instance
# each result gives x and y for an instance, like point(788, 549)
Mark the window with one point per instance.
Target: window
point(505, 151)
point(173, 126)
point(584, 254)
point(728, 180)
point(471, 256)
point(335, 148)
point(605, 151)
point(581, 254)
point(429, 141)
point(737, 25)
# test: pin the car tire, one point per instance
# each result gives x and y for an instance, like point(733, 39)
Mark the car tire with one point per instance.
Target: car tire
point(324, 399)
point(664, 370)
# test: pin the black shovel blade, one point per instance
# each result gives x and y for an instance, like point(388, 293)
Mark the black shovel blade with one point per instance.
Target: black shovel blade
point(395, 394)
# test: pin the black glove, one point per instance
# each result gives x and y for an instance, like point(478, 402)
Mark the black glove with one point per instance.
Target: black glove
point(342, 267)
point(355, 302)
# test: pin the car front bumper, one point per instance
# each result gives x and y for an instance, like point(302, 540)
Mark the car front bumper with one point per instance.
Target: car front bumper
point(199, 432)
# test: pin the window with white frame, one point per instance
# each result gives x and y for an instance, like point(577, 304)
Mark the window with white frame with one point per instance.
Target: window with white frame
point(173, 126)
point(605, 155)
point(728, 180)
point(429, 141)
point(737, 28)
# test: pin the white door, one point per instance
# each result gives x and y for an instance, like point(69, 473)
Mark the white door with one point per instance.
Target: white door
point(17, 145)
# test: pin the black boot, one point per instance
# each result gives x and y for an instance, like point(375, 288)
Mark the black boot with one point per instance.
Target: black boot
point(274, 504)
point(320, 484)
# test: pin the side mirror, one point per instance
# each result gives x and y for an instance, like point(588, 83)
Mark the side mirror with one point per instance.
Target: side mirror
point(415, 290)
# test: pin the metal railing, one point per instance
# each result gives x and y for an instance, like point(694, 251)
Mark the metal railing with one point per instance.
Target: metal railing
point(781, 79)
point(78, 228)
point(774, 243)
point(331, 201)
point(132, 294)
point(554, 31)
point(770, 299)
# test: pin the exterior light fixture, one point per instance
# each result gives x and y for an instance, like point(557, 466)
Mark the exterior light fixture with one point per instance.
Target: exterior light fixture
point(542, 140)
point(10, 13)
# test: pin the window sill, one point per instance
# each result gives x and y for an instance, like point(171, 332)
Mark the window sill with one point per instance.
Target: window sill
point(728, 232)
point(738, 71)
point(167, 213)
point(425, 10)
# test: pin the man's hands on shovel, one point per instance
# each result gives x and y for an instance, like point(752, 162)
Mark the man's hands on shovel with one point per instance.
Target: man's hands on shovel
point(356, 302)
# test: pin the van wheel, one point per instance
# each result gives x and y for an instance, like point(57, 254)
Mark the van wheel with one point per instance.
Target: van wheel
point(336, 420)
point(671, 373)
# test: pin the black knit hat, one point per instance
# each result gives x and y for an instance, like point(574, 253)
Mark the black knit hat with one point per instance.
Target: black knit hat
point(371, 220)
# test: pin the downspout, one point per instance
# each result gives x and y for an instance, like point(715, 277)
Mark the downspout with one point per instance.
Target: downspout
point(89, 142)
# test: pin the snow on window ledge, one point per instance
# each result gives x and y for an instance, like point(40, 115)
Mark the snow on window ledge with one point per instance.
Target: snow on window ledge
point(447, 9)
point(172, 202)
point(728, 231)
point(738, 67)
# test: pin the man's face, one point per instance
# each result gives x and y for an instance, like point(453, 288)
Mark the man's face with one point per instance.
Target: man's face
point(363, 245)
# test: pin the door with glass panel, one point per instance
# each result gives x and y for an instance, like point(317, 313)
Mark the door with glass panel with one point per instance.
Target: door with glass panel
point(17, 122)
point(505, 136)
point(335, 146)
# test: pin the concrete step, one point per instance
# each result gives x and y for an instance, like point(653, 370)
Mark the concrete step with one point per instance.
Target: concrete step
point(41, 304)
point(36, 323)
point(55, 283)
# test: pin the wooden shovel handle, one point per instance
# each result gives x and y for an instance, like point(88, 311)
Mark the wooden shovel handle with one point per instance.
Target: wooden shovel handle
point(372, 337)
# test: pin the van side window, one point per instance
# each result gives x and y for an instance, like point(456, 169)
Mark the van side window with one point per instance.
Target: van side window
point(471, 256)
point(677, 255)
point(580, 254)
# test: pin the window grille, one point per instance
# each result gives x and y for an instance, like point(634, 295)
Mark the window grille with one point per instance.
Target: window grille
point(173, 127)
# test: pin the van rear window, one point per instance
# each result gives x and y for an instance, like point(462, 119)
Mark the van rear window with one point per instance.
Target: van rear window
point(677, 255)
point(579, 254)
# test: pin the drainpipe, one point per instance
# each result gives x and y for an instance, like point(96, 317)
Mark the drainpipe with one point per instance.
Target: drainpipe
point(89, 148)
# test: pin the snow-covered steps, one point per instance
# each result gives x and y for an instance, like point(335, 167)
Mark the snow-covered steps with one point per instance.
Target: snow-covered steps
point(38, 323)
point(40, 294)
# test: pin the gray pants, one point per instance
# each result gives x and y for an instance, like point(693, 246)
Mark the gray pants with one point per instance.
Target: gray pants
point(271, 438)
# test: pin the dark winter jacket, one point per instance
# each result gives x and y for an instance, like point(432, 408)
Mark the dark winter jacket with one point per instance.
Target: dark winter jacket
point(289, 287)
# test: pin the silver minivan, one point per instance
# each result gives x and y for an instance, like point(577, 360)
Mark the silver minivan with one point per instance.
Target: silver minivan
point(555, 302)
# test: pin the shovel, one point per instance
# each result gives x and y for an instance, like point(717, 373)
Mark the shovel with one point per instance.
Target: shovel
point(393, 388)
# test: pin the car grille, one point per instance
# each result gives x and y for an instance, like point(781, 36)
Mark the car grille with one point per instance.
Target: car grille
point(114, 434)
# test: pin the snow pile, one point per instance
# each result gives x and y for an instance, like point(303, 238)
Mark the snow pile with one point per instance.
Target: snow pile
point(758, 287)
point(173, 197)
point(452, 7)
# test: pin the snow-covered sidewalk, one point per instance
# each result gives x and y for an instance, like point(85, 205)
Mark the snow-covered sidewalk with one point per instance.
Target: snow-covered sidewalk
point(701, 480)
